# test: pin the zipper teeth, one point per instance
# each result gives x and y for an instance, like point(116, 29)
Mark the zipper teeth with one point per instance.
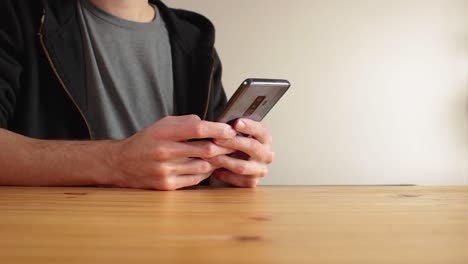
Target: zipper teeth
point(54, 69)
point(210, 84)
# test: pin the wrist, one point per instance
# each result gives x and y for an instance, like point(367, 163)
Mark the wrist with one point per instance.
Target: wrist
point(110, 152)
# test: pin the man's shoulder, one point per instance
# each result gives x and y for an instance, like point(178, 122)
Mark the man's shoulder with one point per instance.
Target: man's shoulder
point(18, 18)
point(190, 26)
point(193, 20)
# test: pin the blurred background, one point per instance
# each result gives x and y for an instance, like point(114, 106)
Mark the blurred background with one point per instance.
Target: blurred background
point(379, 88)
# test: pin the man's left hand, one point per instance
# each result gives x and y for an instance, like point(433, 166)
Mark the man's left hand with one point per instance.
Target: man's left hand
point(254, 152)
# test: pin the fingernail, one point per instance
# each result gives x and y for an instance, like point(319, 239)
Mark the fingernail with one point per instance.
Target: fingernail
point(240, 124)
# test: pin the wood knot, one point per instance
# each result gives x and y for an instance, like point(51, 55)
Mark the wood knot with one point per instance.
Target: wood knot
point(75, 193)
point(247, 238)
point(409, 195)
point(260, 218)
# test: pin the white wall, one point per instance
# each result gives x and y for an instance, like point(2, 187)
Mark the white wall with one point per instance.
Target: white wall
point(380, 88)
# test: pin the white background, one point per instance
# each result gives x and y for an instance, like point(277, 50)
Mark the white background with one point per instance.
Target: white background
point(379, 91)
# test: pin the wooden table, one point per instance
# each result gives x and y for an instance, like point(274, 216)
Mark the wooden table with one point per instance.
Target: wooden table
point(263, 225)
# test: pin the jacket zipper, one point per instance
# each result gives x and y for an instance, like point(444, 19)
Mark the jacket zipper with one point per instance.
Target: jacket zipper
point(54, 69)
point(210, 87)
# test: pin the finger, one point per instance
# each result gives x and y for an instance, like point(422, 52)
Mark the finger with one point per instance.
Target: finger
point(182, 181)
point(253, 128)
point(190, 167)
point(197, 149)
point(235, 179)
point(243, 167)
point(207, 149)
point(207, 129)
point(191, 127)
point(250, 146)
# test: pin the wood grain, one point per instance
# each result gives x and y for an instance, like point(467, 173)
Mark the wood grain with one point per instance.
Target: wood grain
point(263, 225)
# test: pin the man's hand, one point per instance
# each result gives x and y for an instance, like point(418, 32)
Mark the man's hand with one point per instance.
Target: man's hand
point(162, 157)
point(249, 164)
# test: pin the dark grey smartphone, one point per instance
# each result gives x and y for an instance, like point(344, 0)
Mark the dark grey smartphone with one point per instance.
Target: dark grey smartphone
point(253, 99)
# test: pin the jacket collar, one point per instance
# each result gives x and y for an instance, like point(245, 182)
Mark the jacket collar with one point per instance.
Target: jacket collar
point(192, 42)
point(179, 22)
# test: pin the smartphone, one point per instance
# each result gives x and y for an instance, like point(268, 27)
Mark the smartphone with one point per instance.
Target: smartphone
point(253, 99)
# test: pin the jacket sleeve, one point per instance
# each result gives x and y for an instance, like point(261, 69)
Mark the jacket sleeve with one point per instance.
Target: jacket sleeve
point(218, 94)
point(10, 60)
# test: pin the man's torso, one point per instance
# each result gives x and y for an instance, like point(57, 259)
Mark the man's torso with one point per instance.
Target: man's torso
point(128, 72)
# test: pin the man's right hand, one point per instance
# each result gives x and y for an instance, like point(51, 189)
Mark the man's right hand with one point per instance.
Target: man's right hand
point(162, 157)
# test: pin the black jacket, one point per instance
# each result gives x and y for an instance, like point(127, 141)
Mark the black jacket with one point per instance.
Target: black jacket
point(43, 91)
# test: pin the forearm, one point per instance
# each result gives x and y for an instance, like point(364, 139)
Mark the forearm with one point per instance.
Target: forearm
point(32, 162)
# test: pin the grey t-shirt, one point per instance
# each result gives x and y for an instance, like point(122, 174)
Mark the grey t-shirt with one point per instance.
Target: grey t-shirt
point(128, 71)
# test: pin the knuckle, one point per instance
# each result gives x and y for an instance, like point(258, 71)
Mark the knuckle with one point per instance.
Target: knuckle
point(162, 171)
point(210, 150)
point(258, 150)
point(241, 169)
point(166, 185)
point(204, 167)
point(263, 172)
point(197, 129)
point(160, 152)
point(194, 117)
point(255, 145)
point(214, 161)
